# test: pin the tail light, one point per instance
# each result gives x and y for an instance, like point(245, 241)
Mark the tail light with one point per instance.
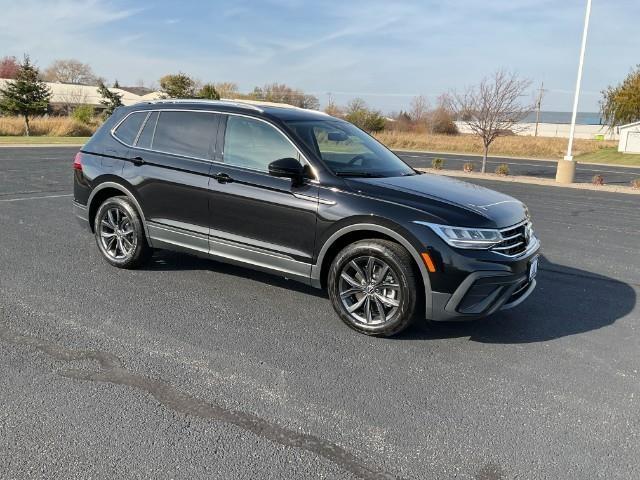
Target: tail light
point(77, 162)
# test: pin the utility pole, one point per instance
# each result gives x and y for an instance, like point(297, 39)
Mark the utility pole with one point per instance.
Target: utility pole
point(330, 98)
point(539, 106)
point(567, 167)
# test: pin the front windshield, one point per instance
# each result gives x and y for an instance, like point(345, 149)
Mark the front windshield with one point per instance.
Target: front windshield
point(347, 150)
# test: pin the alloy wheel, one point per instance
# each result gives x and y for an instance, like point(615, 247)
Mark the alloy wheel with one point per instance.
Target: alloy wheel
point(369, 290)
point(117, 234)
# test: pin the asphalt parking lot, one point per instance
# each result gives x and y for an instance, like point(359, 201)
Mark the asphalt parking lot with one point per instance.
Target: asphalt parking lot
point(189, 368)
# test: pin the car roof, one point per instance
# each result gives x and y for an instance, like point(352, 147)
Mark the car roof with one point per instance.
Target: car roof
point(281, 111)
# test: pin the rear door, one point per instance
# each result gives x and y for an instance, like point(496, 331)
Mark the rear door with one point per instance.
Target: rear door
point(256, 218)
point(169, 165)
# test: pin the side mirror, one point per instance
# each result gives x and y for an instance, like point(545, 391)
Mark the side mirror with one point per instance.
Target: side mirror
point(287, 168)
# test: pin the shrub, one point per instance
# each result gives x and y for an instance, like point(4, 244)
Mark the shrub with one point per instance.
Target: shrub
point(437, 163)
point(635, 183)
point(209, 91)
point(84, 114)
point(468, 167)
point(597, 180)
point(441, 122)
point(363, 117)
point(502, 169)
point(368, 120)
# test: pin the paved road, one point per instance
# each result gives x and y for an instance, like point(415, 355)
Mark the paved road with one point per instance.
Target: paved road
point(535, 168)
point(192, 369)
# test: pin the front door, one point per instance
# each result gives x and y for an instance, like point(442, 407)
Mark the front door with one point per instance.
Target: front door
point(258, 219)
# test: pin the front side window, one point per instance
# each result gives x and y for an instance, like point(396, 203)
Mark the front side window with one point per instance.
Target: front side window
point(128, 130)
point(185, 133)
point(347, 150)
point(254, 144)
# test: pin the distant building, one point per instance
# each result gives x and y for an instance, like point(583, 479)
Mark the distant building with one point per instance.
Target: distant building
point(629, 138)
point(66, 96)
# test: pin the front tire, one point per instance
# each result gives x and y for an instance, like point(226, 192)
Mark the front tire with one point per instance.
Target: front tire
point(120, 234)
point(373, 288)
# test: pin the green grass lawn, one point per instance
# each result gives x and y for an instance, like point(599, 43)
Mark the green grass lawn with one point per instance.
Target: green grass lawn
point(609, 156)
point(21, 140)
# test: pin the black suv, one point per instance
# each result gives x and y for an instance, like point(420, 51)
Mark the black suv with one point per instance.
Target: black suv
point(307, 196)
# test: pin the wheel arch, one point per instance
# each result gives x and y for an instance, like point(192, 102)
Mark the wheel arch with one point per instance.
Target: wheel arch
point(110, 189)
point(352, 233)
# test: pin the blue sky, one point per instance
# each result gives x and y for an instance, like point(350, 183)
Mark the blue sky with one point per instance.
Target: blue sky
point(384, 51)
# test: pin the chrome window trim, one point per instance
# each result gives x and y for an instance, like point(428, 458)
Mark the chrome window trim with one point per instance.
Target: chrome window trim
point(144, 124)
point(117, 125)
point(160, 110)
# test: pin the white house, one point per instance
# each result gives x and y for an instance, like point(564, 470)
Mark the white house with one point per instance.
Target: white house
point(629, 138)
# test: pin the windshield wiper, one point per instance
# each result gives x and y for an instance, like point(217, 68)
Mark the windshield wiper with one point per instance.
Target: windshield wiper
point(353, 173)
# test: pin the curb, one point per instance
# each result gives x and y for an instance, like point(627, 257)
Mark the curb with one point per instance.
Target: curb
point(532, 181)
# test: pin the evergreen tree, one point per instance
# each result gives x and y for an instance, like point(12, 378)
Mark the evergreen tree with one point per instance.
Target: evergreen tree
point(26, 95)
point(179, 85)
point(116, 84)
point(110, 100)
point(209, 92)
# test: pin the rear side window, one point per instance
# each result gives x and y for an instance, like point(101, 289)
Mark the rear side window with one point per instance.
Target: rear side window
point(128, 130)
point(146, 136)
point(185, 133)
point(253, 144)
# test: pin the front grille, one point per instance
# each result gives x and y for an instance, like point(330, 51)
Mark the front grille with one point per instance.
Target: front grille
point(516, 240)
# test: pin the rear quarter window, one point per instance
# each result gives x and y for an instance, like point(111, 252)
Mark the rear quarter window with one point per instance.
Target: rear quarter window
point(128, 130)
point(189, 134)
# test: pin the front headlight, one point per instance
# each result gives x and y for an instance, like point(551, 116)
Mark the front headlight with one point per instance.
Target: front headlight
point(464, 237)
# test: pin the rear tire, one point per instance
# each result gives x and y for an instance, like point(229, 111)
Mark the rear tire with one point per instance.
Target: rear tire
point(120, 234)
point(373, 287)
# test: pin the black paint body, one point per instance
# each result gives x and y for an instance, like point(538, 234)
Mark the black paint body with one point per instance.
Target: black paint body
point(206, 206)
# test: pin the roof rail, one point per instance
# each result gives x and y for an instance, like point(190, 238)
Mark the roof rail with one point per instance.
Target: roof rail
point(207, 102)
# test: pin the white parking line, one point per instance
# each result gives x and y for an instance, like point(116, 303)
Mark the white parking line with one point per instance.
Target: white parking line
point(36, 198)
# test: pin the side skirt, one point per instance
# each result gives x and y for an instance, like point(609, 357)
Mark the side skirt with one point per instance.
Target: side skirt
point(170, 238)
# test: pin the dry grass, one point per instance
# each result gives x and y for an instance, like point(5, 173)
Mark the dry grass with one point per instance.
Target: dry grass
point(47, 126)
point(518, 146)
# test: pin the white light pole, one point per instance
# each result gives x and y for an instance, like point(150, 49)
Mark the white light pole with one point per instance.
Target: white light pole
point(566, 169)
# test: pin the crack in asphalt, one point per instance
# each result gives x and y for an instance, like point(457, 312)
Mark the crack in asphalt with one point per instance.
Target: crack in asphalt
point(112, 371)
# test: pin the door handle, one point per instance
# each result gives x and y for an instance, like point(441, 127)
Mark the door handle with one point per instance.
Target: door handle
point(223, 178)
point(137, 161)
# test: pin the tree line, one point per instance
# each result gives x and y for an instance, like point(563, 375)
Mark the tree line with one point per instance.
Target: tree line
point(490, 109)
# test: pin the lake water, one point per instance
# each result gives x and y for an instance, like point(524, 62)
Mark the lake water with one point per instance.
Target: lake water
point(583, 118)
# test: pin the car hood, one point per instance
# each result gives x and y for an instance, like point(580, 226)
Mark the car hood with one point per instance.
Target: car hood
point(447, 200)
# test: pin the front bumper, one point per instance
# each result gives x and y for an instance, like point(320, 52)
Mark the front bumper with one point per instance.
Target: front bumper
point(484, 292)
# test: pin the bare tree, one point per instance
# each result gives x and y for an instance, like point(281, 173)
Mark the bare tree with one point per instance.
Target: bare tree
point(492, 108)
point(419, 109)
point(9, 67)
point(282, 93)
point(333, 109)
point(71, 97)
point(70, 71)
point(226, 89)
